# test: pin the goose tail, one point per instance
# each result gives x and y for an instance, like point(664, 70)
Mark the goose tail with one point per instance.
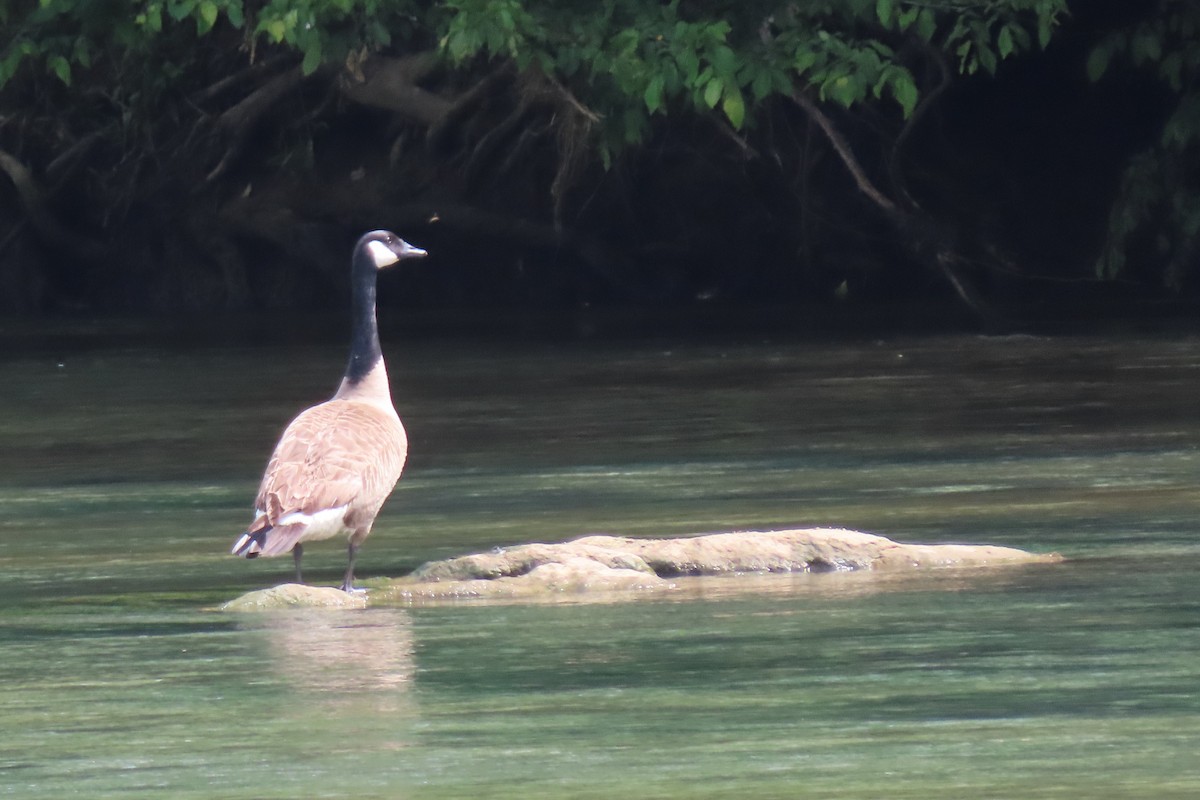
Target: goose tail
point(251, 543)
point(269, 540)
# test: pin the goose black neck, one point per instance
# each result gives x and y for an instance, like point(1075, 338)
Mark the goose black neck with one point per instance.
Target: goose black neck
point(364, 341)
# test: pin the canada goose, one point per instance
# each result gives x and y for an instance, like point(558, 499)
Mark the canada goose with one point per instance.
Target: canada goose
point(338, 461)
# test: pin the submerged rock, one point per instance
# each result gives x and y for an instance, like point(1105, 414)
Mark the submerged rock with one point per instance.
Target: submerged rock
point(295, 595)
point(615, 567)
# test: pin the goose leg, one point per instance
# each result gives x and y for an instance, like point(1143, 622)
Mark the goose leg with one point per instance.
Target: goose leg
point(348, 583)
point(297, 551)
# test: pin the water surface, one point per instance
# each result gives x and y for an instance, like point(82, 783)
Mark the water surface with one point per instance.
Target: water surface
point(127, 468)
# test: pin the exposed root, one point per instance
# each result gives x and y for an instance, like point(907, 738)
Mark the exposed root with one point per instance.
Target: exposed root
point(53, 233)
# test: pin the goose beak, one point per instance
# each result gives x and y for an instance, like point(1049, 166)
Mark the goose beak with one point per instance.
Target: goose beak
point(406, 250)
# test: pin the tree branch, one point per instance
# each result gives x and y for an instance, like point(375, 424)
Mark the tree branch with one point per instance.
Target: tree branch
point(842, 148)
point(572, 100)
point(922, 234)
point(895, 173)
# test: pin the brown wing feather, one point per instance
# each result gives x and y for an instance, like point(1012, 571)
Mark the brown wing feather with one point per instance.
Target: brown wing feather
point(338, 453)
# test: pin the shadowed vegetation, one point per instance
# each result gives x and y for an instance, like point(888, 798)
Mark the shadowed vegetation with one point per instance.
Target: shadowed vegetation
point(220, 154)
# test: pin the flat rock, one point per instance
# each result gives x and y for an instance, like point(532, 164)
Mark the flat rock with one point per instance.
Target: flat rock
point(562, 576)
point(295, 595)
point(599, 566)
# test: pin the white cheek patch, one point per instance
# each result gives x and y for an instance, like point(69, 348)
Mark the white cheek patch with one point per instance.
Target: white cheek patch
point(381, 254)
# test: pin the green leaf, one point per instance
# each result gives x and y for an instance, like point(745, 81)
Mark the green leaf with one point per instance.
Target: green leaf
point(1021, 37)
point(987, 59)
point(908, 16)
point(886, 76)
point(926, 24)
point(967, 63)
point(1097, 62)
point(671, 80)
point(734, 106)
point(1045, 30)
point(712, 92)
point(635, 125)
point(654, 94)
point(782, 82)
point(724, 61)
point(1146, 48)
point(312, 59)
point(844, 89)
point(689, 64)
point(880, 50)
point(60, 67)
point(883, 10)
point(625, 41)
point(495, 39)
point(180, 9)
point(81, 54)
point(1004, 42)
point(762, 84)
point(904, 89)
point(380, 33)
point(276, 29)
point(207, 17)
point(233, 12)
point(804, 61)
point(1171, 69)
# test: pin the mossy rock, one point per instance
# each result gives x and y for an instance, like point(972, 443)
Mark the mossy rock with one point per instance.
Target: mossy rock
point(295, 595)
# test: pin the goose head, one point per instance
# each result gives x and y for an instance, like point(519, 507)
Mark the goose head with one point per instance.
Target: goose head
point(385, 248)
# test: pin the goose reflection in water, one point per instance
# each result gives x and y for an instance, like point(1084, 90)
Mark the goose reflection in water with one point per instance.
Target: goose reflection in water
point(340, 653)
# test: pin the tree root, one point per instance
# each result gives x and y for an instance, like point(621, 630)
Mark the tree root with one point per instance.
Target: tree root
point(237, 122)
point(447, 126)
point(391, 84)
point(50, 231)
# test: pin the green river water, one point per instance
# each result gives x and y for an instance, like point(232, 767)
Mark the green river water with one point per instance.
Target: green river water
point(128, 466)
